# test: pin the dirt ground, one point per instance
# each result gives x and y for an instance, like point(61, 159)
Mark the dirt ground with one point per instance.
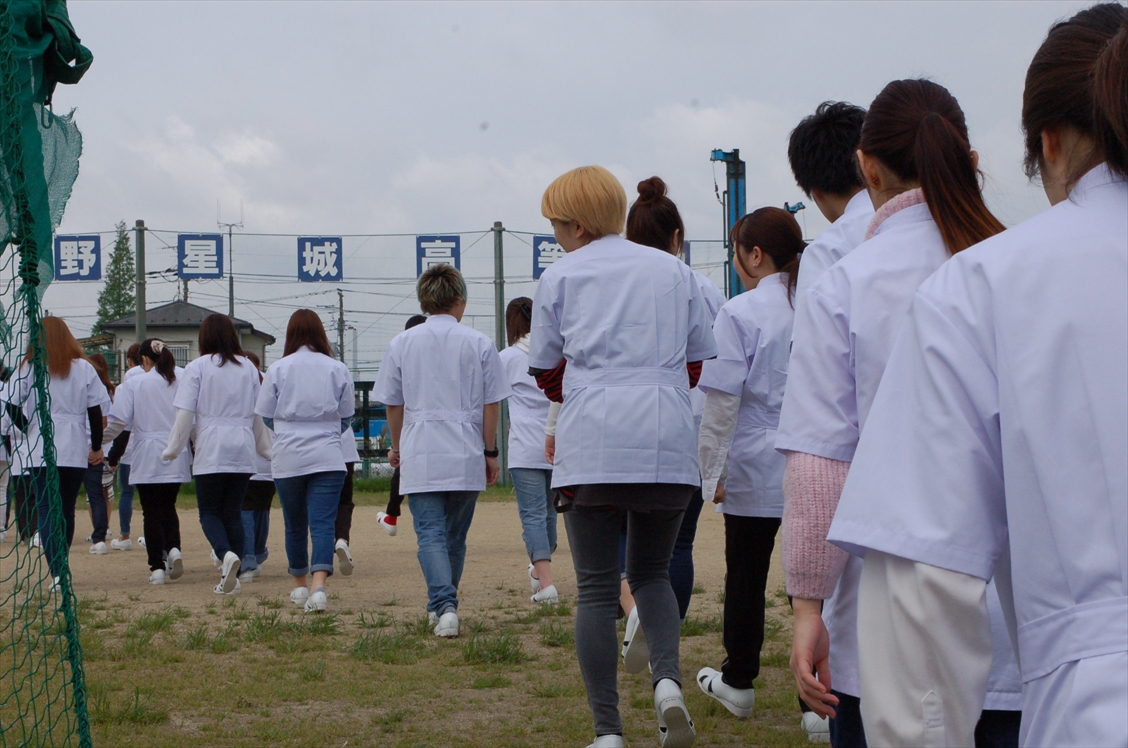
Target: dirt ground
point(386, 567)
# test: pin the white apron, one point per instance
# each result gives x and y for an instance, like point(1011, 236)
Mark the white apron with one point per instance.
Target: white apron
point(443, 373)
point(714, 300)
point(130, 373)
point(223, 399)
point(528, 412)
point(145, 406)
point(1014, 366)
point(627, 319)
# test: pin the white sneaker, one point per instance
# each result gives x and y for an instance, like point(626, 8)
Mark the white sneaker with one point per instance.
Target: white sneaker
point(218, 589)
point(36, 541)
point(157, 577)
point(215, 560)
point(174, 564)
point(141, 541)
point(89, 538)
point(818, 728)
point(534, 585)
point(675, 728)
point(99, 549)
point(299, 595)
point(739, 701)
point(382, 520)
point(636, 653)
point(317, 602)
point(344, 558)
point(608, 741)
point(230, 572)
point(56, 584)
point(447, 626)
point(547, 596)
point(122, 545)
point(247, 576)
point(3, 535)
point(257, 571)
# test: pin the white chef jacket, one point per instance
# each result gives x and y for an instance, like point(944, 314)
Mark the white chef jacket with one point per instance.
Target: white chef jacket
point(349, 452)
point(443, 373)
point(627, 319)
point(714, 300)
point(130, 373)
point(70, 397)
point(528, 411)
point(834, 243)
point(223, 398)
point(753, 333)
point(1014, 367)
point(307, 394)
point(145, 406)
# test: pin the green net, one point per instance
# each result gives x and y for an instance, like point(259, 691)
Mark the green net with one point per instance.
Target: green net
point(42, 691)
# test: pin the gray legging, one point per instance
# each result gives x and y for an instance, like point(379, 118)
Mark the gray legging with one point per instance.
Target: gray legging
point(593, 534)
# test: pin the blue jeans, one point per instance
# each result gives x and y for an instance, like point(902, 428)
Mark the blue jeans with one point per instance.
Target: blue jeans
point(256, 528)
point(96, 498)
point(219, 498)
point(125, 499)
point(309, 508)
point(441, 522)
point(538, 516)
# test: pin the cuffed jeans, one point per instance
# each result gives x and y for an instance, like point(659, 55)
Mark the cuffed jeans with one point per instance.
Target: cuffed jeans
point(256, 523)
point(125, 499)
point(219, 498)
point(593, 534)
point(96, 497)
point(538, 516)
point(441, 522)
point(309, 508)
point(57, 542)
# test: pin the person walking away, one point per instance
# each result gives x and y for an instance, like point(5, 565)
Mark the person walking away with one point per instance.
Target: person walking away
point(256, 505)
point(343, 525)
point(618, 334)
point(1012, 364)
point(99, 501)
point(119, 459)
point(390, 518)
point(307, 400)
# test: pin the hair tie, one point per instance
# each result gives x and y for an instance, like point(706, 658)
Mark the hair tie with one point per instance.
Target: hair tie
point(157, 346)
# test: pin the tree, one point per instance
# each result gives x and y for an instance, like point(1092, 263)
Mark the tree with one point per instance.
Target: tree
point(117, 297)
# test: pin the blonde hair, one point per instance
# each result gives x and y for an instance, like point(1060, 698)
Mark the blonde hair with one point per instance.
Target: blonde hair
point(591, 196)
point(440, 288)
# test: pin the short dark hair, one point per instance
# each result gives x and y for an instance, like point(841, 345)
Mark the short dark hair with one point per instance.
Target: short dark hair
point(133, 354)
point(413, 320)
point(305, 329)
point(440, 288)
point(821, 149)
point(218, 336)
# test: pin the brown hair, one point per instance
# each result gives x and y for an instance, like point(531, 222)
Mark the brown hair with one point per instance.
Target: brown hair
point(133, 354)
point(917, 130)
point(776, 232)
point(1079, 78)
point(254, 360)
point(102, 366)
point(653, 219)
point(156, 351)
point(219, 336)
point(440, 288)
point(518, 319)
point(59, 345)
point(305, 329)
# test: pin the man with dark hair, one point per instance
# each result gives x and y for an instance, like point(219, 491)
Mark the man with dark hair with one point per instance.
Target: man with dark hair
point(822, 151)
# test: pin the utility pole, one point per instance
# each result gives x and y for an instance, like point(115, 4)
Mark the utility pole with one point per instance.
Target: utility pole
point(499, 331)
point(139, 264)
point(230, 257)
point(341, 324)
point(355, 359)
point(185, 290)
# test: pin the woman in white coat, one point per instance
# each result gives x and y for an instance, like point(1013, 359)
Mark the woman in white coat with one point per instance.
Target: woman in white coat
point(997, 442)
point(744, 388)
point(619, 331)
point(920, 171)
point(144, 407)
point(78, 399)
point(217, 394)
point(307, 400)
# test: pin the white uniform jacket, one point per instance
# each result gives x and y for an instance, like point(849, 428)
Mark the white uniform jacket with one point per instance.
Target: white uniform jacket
point(130, 373)
point(528, 411)
point(837, 241)
point(223, 399)
point(627, 319)
point(349, 452)
point(70, 397)
point(1004, 416)
point(714, 300)
point(443, 373)
point(144, 405)
point(753, 332)
point(843, 336)
point(307, 394)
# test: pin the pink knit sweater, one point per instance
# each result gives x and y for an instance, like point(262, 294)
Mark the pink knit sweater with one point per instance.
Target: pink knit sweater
point(811, 489)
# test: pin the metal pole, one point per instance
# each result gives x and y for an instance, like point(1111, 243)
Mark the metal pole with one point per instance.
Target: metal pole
point(139, 264)
point(355, 359)
point(341, 324)
point(185, 290)
point(230, 276)
point(499, 332)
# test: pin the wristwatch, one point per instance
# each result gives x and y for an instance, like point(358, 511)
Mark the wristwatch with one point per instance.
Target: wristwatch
point(492, 452)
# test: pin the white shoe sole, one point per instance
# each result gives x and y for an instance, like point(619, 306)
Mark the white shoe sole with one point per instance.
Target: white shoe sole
point(176, 568)
point(344, 563)
point(679, 729)
point(705, 683)
point(547, 596)
point(231, 578)
point(636, 653)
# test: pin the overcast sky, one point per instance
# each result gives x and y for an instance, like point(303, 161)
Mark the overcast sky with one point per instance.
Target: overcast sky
point(376, 118)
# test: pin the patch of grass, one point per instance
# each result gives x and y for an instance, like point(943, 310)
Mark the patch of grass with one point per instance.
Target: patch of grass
point(378, 621)
point(197, 638)
point(701, 625)
point(312, 671)
point(154, 621)
point(775, 630)
point(498, 649)
point(540, 612)
point(136, 644)
point(390, 604)
point(269, 603)
point(698, 589)
point(389, 721)
point(225, 641)
point(321, 625)
point(551, 691)
point(419, 626)
point(391, 647)
point(135, 710)
point(556, 634)
point(490, 681)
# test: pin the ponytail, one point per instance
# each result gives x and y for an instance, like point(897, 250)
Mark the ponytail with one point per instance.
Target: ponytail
point(950, 184)
point(1110, 101)
point(156, 351)
point(916, 129)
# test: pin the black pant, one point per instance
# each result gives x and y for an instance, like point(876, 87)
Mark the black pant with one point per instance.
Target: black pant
point(159, 520)
point(57, 541)
point(21, 499)
point(846, 730)
point(748, 553)
point(219, 497)
point(345, 508)
point(395, 500)
point(997, 729)
point(96, 498)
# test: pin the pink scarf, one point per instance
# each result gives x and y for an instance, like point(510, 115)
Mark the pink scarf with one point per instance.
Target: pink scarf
point(896, 205)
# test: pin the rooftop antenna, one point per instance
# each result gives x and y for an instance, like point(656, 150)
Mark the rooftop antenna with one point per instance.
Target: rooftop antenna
point(230, 256)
